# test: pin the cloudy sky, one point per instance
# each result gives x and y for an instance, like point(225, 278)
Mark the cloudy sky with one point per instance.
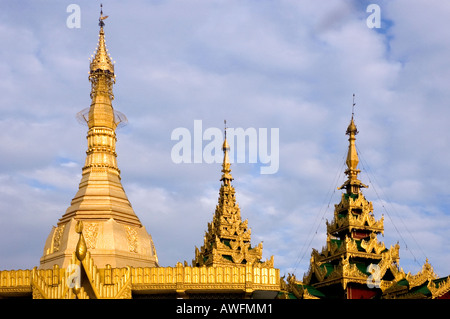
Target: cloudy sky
point(291, 65)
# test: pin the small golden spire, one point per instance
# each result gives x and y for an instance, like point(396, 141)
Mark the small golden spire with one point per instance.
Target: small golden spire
point(102, 79)
point(352, 184)
point(226, 170)
point(352, 155)
point(102, 60)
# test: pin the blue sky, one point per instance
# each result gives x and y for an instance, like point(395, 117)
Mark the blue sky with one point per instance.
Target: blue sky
point(291, 65)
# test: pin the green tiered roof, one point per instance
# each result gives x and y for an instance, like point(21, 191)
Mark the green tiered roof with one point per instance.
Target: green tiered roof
point(353, 263)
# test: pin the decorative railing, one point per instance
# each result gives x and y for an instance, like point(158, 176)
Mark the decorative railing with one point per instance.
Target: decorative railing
point(56, 283)
point(186, 278)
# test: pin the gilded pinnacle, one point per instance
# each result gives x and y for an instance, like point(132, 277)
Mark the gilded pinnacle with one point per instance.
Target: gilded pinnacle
point(102, 77)
point(102, 60)
point(352, 185)
point(352, 156)
point(226, 166)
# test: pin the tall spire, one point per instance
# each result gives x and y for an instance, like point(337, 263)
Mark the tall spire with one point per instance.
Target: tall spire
point(102, 78)
point(228, 239)
point(354, 264)
point(114, 234)
point(352, 185)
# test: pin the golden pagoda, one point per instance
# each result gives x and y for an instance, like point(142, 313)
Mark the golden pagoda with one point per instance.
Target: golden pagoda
point(114, 234)
point(99, 248)
point(354, 264)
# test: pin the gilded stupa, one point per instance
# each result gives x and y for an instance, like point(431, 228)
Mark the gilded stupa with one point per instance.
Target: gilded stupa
point(114, 234)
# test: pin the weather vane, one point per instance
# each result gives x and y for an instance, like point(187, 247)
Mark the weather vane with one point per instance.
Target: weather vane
point(225, 123)
point(353, 106)
point(101, 23)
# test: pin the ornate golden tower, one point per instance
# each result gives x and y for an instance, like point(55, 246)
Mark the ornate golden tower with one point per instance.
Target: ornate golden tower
point(353, 263)
point(227, 240)
point(114, 234)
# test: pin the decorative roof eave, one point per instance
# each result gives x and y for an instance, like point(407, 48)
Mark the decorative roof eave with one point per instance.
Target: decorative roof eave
point(426, 274)
point(365, 221)
point(353, 201)
point(373, 244)
point(346, 272)
point(298, 289)
point(373, 249)
point(440, 289)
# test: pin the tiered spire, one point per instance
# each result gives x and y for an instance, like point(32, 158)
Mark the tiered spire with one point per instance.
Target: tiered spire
point(353, 264)
point(227, 240)
point(112, 230)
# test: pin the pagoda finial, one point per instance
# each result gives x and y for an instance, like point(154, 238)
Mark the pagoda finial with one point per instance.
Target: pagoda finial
point(102, 78)
point(100, 20)
point(352, 155)
point(102, 59)
point(352, 184)
point(225, 128)
point(226, 170)
point(353, 106)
